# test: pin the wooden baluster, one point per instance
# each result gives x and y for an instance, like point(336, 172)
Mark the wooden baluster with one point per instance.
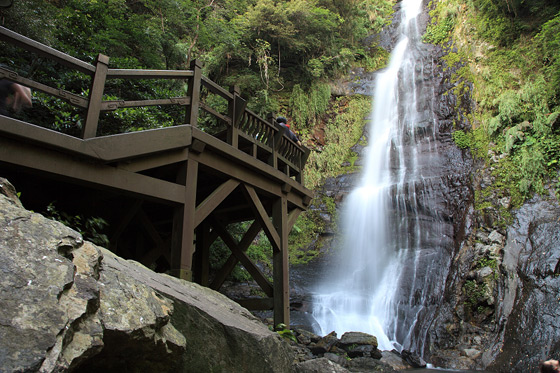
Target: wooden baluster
point(193, 91)
point(89, 129)
point(233, 114)
point(276, 142)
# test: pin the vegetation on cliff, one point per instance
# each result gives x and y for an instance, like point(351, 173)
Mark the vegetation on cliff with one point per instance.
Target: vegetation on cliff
point(509, 50)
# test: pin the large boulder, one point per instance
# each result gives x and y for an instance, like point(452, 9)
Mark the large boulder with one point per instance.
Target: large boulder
point(69, 305)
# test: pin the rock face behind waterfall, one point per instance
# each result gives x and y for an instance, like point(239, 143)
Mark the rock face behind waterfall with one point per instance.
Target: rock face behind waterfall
point(503, 315)
point(68, 305)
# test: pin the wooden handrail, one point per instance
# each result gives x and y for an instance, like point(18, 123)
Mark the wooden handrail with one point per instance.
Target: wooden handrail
point(246, 130)
point(43, 50)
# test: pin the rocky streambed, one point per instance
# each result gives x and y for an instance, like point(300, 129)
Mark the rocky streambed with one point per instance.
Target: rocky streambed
point(352, 352)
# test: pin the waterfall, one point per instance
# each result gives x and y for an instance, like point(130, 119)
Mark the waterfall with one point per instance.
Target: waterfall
point(389, 266)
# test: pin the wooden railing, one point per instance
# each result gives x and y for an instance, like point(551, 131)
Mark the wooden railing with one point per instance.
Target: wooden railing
point(261, 138)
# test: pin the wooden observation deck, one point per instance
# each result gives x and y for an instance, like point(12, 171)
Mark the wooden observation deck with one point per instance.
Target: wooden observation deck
point(167, 193)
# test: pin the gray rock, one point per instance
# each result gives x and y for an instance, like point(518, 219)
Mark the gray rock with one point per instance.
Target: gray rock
point(413, 359)
point(358, 338)
point(496, 237)
point(367, 364)
point(321, 365)
point(484, 272)
point(394, 360)
point(325, 344)
point(470, 352)
point(70, 305)
point(335, 358)
point(360, 350)
point(7, 189)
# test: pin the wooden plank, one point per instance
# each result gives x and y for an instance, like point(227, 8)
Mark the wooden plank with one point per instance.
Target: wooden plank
point(122, 104)
point(148, 74)
point(232, 261)
point(236, 169)
point(97, 175)
point(142, 143)
point(240, 157)
point(154, 161)
point(213, 200)
point(72, 98)
point(43, 50)
point(215, 88)
point(262, 217)
point(255, 272)
point(44, 136)
point(281, 264)
point(215, 113)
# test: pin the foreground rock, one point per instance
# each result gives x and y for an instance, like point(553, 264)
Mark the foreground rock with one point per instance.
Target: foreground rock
point(68, 305)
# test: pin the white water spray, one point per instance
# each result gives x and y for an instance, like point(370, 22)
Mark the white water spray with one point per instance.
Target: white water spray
point(374, 287)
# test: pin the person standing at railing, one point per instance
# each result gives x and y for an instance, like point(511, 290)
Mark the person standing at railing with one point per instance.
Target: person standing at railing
point(13, 96)
point(291, 135)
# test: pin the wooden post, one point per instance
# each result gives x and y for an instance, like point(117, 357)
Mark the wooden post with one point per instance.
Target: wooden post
point(232, 133)
point(280, 261)
point(182, 245)
point(202, 269)
point(276, 141)
point(193, 92)
point(89, 129)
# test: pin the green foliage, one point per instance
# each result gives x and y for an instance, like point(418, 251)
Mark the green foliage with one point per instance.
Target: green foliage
point(307, 106)
point(547, 45)
point(510, 56)
point(438, 33)
point(286, 333)
point(473, 292)
point(462, 139)
point(302, 240)
point(487, 262)
point(342, 131)
point(91, 228)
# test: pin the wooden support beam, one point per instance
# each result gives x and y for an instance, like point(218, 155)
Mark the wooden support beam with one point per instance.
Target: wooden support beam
point(183, 224)
point(142, 143)
point(232, 261)
point(206, 207)
point(154, 161)
point(203, 242)
point(281, 264)
point(255, 272)
point(151, 231)
point(292, 217)
point(126, 219)
point(101, 176)
point(262, 217)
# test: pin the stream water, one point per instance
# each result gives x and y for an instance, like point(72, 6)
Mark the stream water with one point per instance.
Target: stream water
point(384, 275)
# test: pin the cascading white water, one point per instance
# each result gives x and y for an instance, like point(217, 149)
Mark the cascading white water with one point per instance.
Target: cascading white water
point(378, 285)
